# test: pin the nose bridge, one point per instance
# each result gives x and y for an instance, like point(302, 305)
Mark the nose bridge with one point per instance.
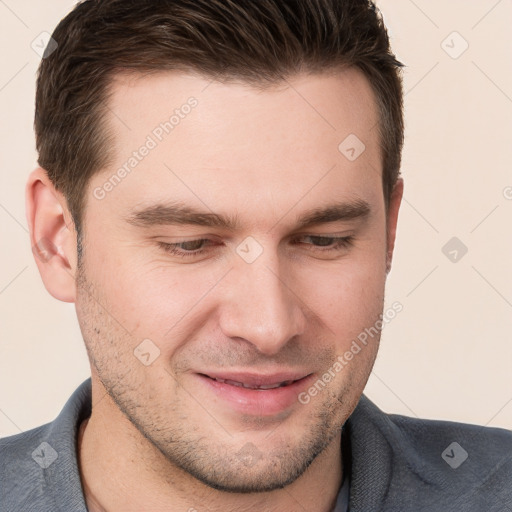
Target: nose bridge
point(260, 307)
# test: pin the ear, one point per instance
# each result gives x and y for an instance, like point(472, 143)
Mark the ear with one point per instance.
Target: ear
point(52, 235)
point(394, 205)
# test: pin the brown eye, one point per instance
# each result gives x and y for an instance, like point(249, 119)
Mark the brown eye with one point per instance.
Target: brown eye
point(185, 248)
point(329, 243)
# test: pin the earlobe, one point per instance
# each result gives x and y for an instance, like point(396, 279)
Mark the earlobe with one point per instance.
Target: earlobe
point(392, 219)
point(52, 235)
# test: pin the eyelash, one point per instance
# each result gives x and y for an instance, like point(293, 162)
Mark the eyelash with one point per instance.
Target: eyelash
point(339, 244)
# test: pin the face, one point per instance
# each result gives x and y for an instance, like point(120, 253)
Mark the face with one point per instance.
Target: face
point(244, 245)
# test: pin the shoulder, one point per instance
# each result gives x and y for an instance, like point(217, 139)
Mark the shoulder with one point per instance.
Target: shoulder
point(424, 435)
point(24, 459)
point(482, 442)
point(18, 443)
point(38, 468)
point(433, 461)
point(483, 454)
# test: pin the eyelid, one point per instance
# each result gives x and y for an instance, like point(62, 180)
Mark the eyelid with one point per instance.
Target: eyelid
point(176, 240)
point(338, 244)
point(341, 234)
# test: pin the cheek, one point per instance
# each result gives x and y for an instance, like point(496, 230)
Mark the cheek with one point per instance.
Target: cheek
point(351, 318)
point(350, 306)
point(155, 301)
point(138, 290)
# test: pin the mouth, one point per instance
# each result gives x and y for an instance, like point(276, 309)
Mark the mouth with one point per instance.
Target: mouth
point(256, 394)
point(248, 385)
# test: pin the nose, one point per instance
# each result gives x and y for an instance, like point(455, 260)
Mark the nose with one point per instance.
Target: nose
point(260, 305)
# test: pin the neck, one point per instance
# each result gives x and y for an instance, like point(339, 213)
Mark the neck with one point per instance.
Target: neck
point(123, 471)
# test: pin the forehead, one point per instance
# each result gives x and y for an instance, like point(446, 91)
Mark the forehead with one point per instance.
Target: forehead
point(183, 137)
point(333, 102)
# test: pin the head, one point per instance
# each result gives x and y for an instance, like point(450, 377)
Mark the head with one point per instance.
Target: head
point(262, 139)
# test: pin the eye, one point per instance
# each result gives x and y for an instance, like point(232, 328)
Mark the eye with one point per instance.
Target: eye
point(329, 243)
point(185, 248)
point(322, 244)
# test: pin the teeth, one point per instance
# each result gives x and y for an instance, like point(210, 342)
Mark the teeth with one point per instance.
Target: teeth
point(248, 386)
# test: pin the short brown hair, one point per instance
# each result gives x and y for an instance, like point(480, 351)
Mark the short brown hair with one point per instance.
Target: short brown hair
point(260, 42)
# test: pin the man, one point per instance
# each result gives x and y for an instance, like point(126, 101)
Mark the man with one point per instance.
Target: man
point(218, 194)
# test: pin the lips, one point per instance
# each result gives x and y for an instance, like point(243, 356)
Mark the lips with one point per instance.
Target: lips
point(257, 394)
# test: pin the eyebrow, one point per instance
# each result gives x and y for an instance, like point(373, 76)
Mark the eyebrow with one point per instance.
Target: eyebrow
point(176, 213)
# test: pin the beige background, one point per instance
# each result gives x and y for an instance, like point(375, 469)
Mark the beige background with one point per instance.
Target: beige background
point(448, 354)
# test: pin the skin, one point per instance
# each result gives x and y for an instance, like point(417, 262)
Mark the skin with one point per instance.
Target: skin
point(158, 438)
